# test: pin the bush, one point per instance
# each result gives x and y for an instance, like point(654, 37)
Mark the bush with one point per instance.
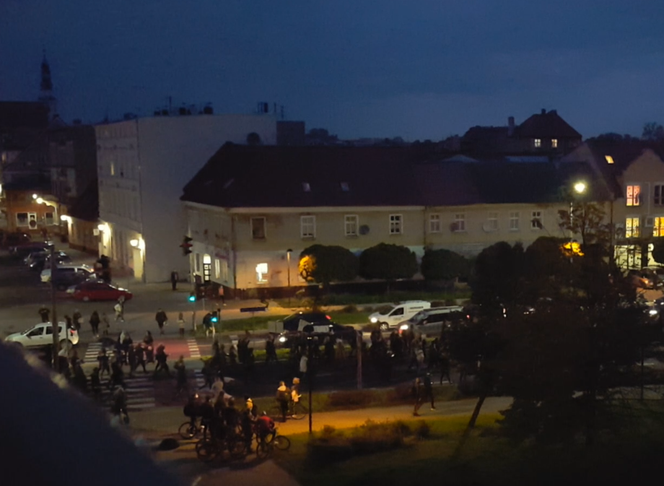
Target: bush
point(376, 437)
point(422, 431)
point(350, 398)
point(350, 309)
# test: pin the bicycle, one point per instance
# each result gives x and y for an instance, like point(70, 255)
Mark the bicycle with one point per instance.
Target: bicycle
point(191, 428)
point(210, 448)
point(265, 447)
point(296, 411)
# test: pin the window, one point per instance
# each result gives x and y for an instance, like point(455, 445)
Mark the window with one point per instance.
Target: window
point(112, 168)
point(48, 218)
point(633, 193)
point(537, 142)
point(224, 270)
point(395, 224)
point(21, 219)
point(658, 194)
point(258, 228)
point(658, 226)
point(554, 143)
point(32, 220)
point(217, 268)
point(536, 220)
point(514, 221)
point(632, 227)
point(261, 273)
point(434, 223)
point(350, 225)
point(306, 187)
point(492, 221)
point(459, 223)
point(308, 226)
point(609, 159)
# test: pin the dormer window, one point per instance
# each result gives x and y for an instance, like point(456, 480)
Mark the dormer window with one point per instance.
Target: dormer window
point(344, 187)
point(306, 187)
point(554, 143)
point(609, 159)
point(537, 142)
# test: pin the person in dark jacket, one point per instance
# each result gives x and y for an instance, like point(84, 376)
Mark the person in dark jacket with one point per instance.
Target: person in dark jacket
point(94, 323)
point(161, 319)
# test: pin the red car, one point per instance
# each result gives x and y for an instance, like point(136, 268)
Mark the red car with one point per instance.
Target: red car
point(87, 291)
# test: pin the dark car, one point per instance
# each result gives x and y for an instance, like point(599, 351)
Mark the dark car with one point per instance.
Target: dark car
point(292, 322)
point(8, 240)
point(43, 260)
point(23, 249)
point(317, 325)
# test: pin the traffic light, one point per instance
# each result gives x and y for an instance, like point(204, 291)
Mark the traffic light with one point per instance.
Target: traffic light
point(186, 246)
point(192, 297)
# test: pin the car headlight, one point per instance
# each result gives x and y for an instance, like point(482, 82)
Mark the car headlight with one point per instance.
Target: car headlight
point(653, 312)
point(404, 327)
point(374, 320)
point(282, 339)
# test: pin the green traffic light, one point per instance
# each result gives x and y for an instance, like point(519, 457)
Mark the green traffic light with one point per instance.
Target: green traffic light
point(192, 298)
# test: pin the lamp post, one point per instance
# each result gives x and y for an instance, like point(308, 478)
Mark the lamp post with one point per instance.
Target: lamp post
point(288, 253)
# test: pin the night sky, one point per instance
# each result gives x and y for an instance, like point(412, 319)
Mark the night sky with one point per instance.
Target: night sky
point(417, 69)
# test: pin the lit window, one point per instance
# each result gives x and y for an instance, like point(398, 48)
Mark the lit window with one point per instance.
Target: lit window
point(395, 224)
point(537, 142)
point(112, 168)
point(306, 187)
point(554, 143)
point(217, 268)
point(609, 159)
point(308, 226)
point(258, 228)
point(536, 220)
point(224, 270)
point(261, 273)
point(345, 187)
point(351, 224)
point(658, 226)
point(514, 221)
point(633, 195)
point(492, 221)
point(658, 194)
point(632, 227)
point(434, 223)
point(459, 223)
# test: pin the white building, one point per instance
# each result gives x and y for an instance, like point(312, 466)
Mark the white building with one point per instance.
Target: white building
point(143, 165)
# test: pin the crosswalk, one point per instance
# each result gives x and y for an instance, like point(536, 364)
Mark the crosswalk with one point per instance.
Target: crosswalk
point(140, 392)
point(194, 350)
point(92, 352)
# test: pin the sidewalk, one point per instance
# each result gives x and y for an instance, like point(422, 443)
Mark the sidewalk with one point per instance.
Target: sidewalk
point(158, 423)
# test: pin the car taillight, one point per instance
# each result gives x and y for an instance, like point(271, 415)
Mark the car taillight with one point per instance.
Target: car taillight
point(328, 318)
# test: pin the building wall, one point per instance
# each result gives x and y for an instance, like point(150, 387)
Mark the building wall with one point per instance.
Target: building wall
point(143, 165)
point(81, 235)
point(20, 203)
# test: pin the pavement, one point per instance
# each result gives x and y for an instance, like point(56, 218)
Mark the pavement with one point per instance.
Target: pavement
point(154, 425)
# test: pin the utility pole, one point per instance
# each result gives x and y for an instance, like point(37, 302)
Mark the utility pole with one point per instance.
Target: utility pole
point(359, 359)
point(54, 318)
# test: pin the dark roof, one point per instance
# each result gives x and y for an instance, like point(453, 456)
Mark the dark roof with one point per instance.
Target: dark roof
point(546, 125)
point(269, 176)
point(86, 206)
point(23, 114)
point(623, 154)
point(245, 177)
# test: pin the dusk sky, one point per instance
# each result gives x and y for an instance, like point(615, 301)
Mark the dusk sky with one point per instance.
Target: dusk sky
point(423, 69)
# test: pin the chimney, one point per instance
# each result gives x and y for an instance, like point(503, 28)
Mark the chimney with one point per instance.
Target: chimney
point(510, 126)
point(553, 112)
point(543, 111)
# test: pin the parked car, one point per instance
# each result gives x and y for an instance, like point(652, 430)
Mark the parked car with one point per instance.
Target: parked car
point(42, 260)
point(97, 290)
point(641, 279)
point(8, 240)
point(67, 269)
point(398, 313)
point(432, 321)
point(26, 247)
point(297, 321)
point(42, 335)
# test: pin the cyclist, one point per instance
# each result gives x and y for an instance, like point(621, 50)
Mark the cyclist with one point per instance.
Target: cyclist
point(265, 426)
point(192, 409)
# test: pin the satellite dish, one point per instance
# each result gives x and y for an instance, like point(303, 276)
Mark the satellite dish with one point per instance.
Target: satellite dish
point(364, 229)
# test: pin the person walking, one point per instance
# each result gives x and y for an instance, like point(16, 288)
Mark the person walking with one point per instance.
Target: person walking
point(270, 349)
point(209, 373)
point(104, 365)
point(139, 350)
point(105, 325)
point(181, 324)
point(119, 312)
point(119, 408)
point(148, 341)
point(161, 358)
point(161, 319)
point(181, 384)
point(94, 323)
point(76, 317)
point(418, 393)
point(283, 398)
point(428, 390)
point(174, 280)
point(95, 383)
point(44, 313)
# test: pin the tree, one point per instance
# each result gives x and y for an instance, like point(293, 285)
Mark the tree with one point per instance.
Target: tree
point(444, 265)
point(324, 264)
point(653, 131)
point(388, 262)
point(658, 250)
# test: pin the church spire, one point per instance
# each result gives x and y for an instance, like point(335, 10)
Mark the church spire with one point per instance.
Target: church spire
point(46, 86)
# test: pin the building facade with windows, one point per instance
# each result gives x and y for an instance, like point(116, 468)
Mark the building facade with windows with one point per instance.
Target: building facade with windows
point(248, 230)
point(142, 166)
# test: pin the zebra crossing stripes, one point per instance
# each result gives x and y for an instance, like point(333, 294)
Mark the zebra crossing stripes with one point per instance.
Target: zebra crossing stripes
point(194, 350)
point(140, 392)
point(92, 352)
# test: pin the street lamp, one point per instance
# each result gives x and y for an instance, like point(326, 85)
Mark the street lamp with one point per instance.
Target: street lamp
point(288, 253)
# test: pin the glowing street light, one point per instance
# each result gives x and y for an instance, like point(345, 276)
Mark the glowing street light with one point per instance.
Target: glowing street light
point(580, 187)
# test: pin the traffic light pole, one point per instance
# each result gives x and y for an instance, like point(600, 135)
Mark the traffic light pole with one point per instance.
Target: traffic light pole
point(54, 318)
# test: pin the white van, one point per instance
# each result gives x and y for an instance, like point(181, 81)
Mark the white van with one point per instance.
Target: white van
point(398, 313)
point(430, 322)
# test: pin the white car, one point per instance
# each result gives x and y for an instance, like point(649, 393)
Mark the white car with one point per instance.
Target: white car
point(42, 335)
point(398, 313)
